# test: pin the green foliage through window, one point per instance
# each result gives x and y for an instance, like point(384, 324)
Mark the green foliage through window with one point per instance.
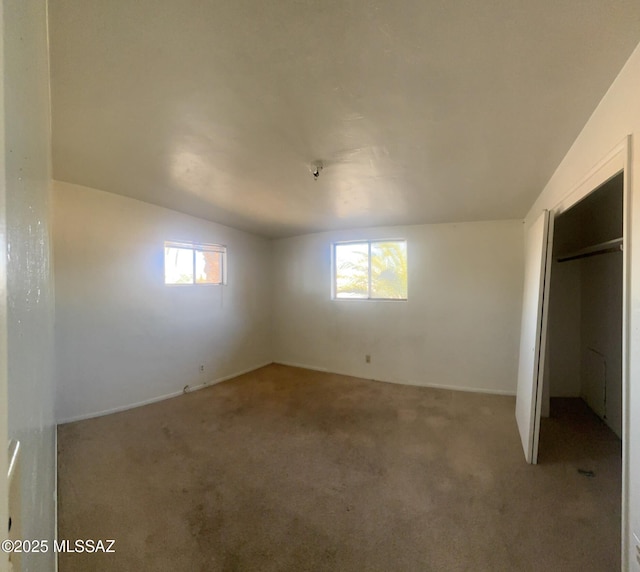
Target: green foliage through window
point(371, 270)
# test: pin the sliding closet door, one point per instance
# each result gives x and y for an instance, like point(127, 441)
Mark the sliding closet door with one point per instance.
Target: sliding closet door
point(532, 337)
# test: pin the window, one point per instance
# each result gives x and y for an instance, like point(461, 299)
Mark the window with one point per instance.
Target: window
point(192, 263)
point(370, 270)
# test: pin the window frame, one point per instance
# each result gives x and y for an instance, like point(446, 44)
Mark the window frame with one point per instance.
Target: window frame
point(196, 247)
point(368, 242)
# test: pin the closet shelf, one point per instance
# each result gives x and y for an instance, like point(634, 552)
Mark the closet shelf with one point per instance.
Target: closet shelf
point(614, 245)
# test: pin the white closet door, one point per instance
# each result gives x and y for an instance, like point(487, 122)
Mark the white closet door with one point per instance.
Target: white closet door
point(532, 337)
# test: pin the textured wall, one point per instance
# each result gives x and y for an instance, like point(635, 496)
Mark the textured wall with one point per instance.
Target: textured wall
point(459, 327)
point(122, 336)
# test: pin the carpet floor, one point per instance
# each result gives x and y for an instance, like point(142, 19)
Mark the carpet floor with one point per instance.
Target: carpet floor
point(292, 470)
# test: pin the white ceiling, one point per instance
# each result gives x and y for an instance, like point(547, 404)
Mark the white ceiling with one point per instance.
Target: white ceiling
point(421, 110)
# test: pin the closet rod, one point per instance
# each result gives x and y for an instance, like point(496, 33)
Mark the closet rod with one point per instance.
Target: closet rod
point(614, 245)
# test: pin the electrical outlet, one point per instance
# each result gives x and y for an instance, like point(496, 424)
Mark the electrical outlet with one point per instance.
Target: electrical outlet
point(367, 358)
point(201, 368)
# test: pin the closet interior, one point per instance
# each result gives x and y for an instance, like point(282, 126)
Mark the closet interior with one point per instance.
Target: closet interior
point(585, 304)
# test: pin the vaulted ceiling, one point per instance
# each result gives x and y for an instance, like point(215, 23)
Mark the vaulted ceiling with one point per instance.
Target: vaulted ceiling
point(421, 111)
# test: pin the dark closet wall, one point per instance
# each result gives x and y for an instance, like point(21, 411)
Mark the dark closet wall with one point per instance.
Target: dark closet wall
point(585, 315)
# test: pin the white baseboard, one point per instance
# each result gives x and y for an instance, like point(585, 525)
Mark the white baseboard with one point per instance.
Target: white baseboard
point(466, 389)
point(303, 366)
point(490, 391)
point(186, 389)
point(119, 408)
point(405, 381)
point(191, 388)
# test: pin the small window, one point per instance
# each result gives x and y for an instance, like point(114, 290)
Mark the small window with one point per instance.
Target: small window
point(370, 270)
point(191, 263)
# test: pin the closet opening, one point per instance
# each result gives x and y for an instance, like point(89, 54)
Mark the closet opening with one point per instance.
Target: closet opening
point(582, 400)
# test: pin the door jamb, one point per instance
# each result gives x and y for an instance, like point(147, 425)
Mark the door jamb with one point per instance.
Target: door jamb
point(4, 397)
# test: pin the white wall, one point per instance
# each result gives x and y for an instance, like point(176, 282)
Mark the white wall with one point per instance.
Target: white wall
point(122, 336)
point(617, 115)
point(30, 292)
point(459, 327)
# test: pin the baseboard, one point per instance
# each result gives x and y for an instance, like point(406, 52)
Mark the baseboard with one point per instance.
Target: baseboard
point(186, 389)
point(463, 388)
point(192, 388)
point(304, 366)
point(406, 381)
point(120, 408)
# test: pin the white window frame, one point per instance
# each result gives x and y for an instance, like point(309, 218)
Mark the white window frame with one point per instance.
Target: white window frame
point(368, 242)
point(197, 247)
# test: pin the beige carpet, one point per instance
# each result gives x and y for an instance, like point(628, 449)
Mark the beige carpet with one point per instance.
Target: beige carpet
point(289, 469)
